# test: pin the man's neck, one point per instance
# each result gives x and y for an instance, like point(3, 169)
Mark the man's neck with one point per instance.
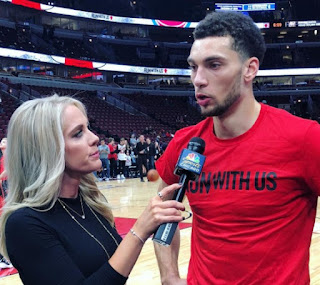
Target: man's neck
point(239, 119)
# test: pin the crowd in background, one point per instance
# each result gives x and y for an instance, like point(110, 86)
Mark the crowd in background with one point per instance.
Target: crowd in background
point(128, 158)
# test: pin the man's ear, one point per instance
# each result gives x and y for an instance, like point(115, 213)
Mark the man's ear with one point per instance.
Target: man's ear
point(251, 69)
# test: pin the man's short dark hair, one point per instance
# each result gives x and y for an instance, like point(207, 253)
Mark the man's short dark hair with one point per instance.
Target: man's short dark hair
point(247, 38)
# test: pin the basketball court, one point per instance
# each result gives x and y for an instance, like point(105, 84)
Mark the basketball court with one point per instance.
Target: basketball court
point(128, 199)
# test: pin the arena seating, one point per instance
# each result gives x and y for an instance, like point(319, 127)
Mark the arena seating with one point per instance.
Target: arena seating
point(172, 110)
point(7, 106)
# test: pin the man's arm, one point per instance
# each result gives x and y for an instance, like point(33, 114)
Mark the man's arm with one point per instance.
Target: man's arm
point(167, 256)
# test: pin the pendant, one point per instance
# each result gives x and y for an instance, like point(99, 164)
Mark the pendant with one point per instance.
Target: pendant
point(83, 216)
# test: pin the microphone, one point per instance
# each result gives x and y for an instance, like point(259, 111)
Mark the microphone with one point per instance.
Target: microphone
point(188, 167)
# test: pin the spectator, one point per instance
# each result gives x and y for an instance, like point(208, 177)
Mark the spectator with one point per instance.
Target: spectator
point(133, 140)
point(128, 164)
point(141, 151)
point(151, 152)
point(158, 150)
point(121, 158)
point(104, 152)
point(113, 157)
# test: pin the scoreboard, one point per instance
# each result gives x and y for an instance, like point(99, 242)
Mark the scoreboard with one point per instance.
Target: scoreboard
point(245, 7)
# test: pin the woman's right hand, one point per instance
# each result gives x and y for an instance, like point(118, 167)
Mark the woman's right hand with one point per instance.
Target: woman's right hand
point(159, 211)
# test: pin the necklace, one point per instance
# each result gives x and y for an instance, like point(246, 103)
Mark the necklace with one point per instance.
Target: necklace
point(90, 234)
point(64, 205)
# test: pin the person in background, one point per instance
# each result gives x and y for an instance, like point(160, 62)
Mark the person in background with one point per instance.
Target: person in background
point(133, 140)
point(134, 162)
point(104, 152)
point(121, 158)
point(255, 202)
point(3, 173)
point(141, 151)
point(128, 164)
point(158, 150)
point(54, 211)
point(151, 152)
point(113, 158)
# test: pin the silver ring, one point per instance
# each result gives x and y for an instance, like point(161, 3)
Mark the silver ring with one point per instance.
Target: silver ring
point(160, 195)
point(189, 215)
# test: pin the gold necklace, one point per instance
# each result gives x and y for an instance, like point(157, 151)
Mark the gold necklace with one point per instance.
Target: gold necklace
point(114, 239)
point(90, 234)
point(64, 205)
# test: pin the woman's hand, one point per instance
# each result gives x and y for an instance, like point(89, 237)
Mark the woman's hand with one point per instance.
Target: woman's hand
point(159, 211)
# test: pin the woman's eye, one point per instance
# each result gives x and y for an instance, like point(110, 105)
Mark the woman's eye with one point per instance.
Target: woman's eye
point(78, 134)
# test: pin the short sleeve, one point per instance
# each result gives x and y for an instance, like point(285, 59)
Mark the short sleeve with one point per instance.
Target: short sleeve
point(165, 165)
point(311, 158)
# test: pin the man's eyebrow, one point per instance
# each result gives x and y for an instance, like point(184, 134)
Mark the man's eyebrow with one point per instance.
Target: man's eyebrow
point(207, 59)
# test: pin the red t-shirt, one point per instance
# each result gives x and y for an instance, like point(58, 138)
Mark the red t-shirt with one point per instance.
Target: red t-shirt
point(254, 204)
point(112, 155)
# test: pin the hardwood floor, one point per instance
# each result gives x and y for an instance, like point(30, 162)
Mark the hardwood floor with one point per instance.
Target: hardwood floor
point(128, 199)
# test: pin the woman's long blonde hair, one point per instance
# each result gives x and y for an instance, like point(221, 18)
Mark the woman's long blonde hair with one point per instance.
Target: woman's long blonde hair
point(35, 160)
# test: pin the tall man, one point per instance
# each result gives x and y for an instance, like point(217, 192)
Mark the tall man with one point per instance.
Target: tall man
point(141, 151)
point(254, 204)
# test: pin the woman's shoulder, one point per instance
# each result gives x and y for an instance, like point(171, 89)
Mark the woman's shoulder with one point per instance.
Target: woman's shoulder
point(27, 220)
point(22, 215)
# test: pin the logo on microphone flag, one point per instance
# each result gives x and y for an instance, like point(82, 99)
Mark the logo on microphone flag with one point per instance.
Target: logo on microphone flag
point(191, 161)
point(193, 157)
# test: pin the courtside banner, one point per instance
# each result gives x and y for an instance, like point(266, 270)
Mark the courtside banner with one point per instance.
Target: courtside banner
point(103, 66)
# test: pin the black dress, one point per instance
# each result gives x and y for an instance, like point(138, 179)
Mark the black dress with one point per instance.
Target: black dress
point(51, 248)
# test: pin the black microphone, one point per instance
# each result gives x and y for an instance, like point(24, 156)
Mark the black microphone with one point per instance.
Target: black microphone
point(188, 167)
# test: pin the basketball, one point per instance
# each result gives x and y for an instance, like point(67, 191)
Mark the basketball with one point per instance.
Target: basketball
point(153, 175)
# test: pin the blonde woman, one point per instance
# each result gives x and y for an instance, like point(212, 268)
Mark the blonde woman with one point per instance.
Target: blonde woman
point(54, 211)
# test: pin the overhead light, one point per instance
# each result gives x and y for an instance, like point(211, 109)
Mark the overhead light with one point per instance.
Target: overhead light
point(300, 36)
point(315, 32)
point(208, 8)
point(263, 34)
point(283, 33)
point(280, 37)
point(304, 32)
